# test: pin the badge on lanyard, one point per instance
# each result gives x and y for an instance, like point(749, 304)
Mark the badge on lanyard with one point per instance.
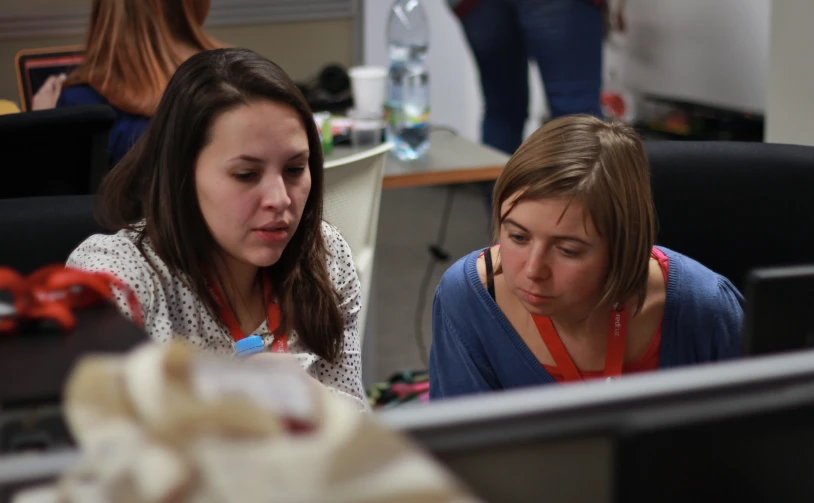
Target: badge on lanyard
point(280, 342)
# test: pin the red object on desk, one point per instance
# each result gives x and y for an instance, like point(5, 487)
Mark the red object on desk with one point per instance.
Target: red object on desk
point(404, 389)
point(53, 292)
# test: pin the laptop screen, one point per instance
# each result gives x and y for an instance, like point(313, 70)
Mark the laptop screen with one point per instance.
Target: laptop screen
point(34, 68)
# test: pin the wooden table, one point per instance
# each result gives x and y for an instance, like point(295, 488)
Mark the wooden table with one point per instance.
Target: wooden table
point(450, 160)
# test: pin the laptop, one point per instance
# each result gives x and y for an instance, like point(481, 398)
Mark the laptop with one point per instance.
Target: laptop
point(34, 66)
point(779, 313)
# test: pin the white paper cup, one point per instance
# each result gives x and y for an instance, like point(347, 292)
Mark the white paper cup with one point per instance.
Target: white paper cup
point(369, 84)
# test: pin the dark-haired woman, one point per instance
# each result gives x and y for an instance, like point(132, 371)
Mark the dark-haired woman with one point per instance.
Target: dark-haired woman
point(218, 213)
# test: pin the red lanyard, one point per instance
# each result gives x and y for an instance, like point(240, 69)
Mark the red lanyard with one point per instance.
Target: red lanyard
point(280, 342)
point(53, 292)
point(614, 354)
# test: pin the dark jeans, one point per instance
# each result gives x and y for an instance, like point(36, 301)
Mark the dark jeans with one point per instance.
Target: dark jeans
point(564, 37)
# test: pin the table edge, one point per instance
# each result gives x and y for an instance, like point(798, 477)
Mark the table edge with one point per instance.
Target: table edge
point(480, 174)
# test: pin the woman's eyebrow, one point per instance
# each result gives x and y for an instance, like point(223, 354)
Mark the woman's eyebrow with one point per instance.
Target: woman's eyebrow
point(558, 237)
point(568, 237)
point(247, 158)
point(300, 155)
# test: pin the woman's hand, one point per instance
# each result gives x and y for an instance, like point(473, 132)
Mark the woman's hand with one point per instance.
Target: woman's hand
point(281, 357)
point(618, 20)
point(46, 98)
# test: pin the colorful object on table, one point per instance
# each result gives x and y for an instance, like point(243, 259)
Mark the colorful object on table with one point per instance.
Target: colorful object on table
point(323, 122)
point(405, 386)
point(615, 105)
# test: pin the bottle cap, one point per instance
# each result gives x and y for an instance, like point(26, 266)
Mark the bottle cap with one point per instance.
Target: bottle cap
point(250, 345)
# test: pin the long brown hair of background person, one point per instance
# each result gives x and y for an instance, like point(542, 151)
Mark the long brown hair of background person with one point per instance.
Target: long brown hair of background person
point(134, 46)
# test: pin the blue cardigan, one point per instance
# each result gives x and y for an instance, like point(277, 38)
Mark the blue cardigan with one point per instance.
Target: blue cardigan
point(126, 129)
point(476, 349)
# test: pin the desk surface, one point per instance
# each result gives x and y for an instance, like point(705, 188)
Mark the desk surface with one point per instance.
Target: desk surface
point(451, 159)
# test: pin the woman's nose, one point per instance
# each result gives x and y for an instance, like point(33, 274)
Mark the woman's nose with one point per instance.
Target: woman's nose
point(537, 266)
point(275, 193)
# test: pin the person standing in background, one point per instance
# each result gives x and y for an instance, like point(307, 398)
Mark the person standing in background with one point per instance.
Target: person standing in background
point(132, 49)
point(564, 38)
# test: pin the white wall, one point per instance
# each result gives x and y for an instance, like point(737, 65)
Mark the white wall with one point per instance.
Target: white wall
point(790, 86)
point(707, 51)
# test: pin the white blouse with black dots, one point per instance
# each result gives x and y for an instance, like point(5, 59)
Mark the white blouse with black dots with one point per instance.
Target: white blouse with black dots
point(171, 310)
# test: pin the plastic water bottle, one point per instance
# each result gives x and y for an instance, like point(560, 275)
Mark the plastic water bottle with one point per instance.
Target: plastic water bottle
point(408, 102)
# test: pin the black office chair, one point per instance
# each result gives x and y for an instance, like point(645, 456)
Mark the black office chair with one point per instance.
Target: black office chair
point(735, 206)
point(63, 151)
point(39, 231)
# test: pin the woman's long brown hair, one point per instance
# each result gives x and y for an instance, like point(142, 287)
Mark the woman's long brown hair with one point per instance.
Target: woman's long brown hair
point(155, 184)
point(134, 46)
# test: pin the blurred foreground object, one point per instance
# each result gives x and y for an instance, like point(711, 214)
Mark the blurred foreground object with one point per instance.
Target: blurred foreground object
point(166, 423)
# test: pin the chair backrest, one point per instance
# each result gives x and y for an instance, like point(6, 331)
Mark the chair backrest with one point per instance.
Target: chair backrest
point(735, 206)
point(353, 189)
point(55, 152)
point(39, 231)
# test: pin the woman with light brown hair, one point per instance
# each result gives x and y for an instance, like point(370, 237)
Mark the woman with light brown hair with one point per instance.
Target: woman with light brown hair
point(574, 287)
point(132, 49)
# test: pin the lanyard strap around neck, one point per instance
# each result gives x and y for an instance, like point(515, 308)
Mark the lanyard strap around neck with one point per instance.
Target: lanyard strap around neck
point(280, 343)
point(614, 353)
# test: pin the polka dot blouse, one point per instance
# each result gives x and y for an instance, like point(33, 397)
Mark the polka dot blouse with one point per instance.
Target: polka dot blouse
point(173, 312)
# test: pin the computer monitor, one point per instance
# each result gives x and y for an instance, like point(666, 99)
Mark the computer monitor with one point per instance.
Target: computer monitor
point(731, 451)
point(779, 310)
point(34, 66)
point(633, 439)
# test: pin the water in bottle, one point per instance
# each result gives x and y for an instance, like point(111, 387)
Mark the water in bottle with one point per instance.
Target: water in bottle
point(408, 102)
